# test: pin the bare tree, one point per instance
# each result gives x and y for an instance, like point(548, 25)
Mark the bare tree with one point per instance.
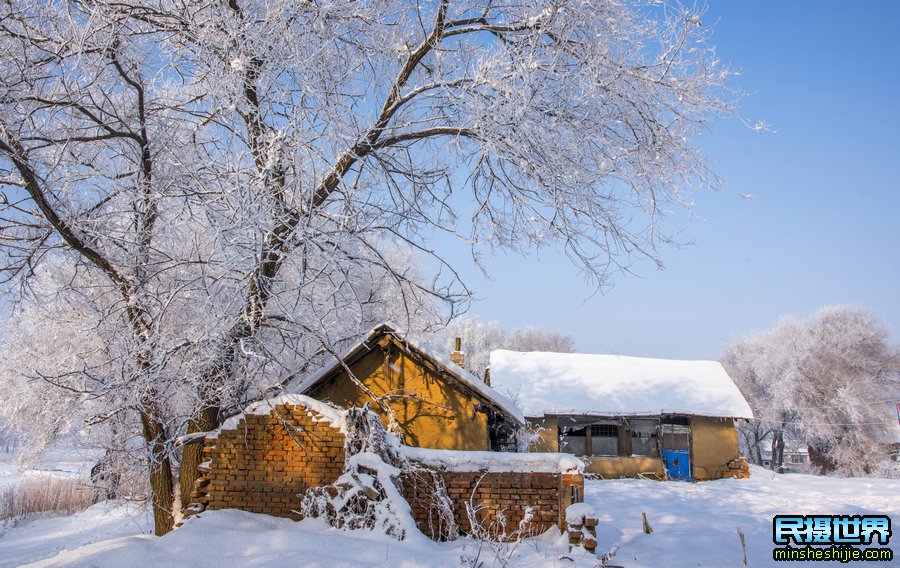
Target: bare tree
point(828, 382)
point(221, 179)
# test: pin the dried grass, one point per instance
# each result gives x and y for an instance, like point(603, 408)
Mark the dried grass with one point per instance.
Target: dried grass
point(46, 494)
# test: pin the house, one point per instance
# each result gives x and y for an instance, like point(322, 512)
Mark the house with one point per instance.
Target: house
point(288, 455)
point(796, 457)
point(628, 416)
point(434, 401)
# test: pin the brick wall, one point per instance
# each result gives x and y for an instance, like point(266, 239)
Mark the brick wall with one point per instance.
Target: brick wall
point(490, 493)
point(268, 461)
point(265, 461)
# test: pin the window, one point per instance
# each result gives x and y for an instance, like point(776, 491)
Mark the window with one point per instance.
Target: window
point(572, 441)
point(581, 437)
point(501, 432)
point(600, 436)
point(644, 437)
point(604, 440)
point(605, 430)
point(574, 494)
point(675, 437)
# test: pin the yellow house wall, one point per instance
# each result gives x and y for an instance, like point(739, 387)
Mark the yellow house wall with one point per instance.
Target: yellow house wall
point(547, 429)
point(714, 443)
point(432, 411)
point(630, 466)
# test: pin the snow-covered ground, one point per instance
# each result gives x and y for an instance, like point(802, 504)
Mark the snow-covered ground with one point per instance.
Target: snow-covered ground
point(696, 524)
point(237, 538)
point(693, 525)
point(56, 462)
point(46, 536)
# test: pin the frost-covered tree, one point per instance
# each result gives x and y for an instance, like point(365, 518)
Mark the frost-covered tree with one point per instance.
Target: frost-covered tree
point(532, 338)
point(220, 180)
point(763, 367)
point(66, 357)
point(829, 381)
point(479, 338)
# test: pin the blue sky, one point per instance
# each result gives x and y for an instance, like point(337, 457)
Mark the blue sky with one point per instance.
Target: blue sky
point(821, 228)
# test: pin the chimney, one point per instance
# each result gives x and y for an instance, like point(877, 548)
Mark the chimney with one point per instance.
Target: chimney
point(487, 376)
point(458, 356)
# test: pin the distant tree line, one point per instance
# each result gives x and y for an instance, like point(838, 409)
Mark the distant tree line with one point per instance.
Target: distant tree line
point(479, 338)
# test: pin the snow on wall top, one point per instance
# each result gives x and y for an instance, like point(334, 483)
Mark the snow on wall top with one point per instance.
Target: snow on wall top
point(495, 462)
point(578, 383)
point(334, 416)
point(462, 375)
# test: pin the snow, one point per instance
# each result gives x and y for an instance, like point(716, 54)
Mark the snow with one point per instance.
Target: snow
point(452, 460)
point(238, 538)
point(34, 539)
point(694, 525)
point(460, 374)
point(190, 438)
point(385, 510)
point(70, 462)
point(577, 383)
point(576, 512)
point(322, 410)
point(45, 534)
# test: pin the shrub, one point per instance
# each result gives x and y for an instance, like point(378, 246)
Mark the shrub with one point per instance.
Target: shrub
point(46, 494)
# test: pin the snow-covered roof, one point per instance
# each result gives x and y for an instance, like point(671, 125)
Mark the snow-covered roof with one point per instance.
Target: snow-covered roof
point(443, 361)
point(613, 385)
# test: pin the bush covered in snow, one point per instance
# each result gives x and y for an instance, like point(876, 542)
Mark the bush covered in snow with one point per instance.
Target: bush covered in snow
point(366, 495)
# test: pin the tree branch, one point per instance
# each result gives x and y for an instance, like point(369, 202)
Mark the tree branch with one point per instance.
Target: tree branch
point(33, 186)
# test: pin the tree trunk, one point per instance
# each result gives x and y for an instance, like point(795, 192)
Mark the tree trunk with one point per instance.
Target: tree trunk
point(778, 450)
point(752, 438)
point(161, 483)
point(756, 447)
point(819, 459)
point(192, 454)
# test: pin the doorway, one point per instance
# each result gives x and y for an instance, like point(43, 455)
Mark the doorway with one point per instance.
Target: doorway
point(676, 451)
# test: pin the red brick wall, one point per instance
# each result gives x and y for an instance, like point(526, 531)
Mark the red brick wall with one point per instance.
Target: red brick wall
point(510, 493)
point(267, 462)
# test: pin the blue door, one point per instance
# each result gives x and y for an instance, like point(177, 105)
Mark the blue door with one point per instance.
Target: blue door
point(676, 451)
point(678, 463)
